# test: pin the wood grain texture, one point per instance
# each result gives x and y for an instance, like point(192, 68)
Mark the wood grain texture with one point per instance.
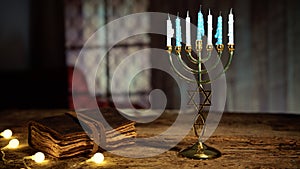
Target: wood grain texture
point(245, 140)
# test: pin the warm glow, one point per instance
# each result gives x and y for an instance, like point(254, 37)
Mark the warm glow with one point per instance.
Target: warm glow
point(6, 133)
point(14, 143)
point(38, 157)
point(98, 158)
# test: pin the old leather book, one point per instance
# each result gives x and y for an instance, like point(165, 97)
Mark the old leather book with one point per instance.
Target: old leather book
point(63, 136)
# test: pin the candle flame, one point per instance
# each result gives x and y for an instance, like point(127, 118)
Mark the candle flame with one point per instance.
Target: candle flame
point(209, 11)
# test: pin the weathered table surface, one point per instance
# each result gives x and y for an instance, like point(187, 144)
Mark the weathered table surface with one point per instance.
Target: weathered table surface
point(245, 140)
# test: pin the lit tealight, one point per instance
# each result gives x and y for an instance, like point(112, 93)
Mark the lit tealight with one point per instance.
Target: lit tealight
point(97, 158)
point(14, 143)
point(38, 157)
point(6, 133)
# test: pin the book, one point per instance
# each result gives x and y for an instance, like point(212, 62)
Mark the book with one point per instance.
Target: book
point(81, 133)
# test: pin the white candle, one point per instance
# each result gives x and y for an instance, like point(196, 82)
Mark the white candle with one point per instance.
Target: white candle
point(230, 28)
point(188, 29)
point(209, 29)
point(170, 31)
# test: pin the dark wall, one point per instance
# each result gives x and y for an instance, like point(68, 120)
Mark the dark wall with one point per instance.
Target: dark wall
point(14, 35)
point(264, 75)
point(32, 68)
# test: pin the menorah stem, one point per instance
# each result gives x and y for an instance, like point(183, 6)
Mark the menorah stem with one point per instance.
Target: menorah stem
point(199, 51)
point(198, 121)
point(199, 70)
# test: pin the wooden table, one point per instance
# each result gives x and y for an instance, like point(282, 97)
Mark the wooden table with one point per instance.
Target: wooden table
point(245, 140)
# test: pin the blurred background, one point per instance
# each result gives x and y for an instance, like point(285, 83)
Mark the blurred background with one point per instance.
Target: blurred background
point(41, 40)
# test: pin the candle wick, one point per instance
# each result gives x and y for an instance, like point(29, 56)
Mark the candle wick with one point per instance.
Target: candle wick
point(187, 14)
point(231, 11)
point(177, 14)
point(209, 11)
point(220, 13)
point(200, 7)
point(168, 16)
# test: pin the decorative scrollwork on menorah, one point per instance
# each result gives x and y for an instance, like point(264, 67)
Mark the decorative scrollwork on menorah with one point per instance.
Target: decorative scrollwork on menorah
point(199, 61)
point(200, 150)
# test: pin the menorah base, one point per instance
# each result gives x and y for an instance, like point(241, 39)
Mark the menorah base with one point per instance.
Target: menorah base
point(200, 151)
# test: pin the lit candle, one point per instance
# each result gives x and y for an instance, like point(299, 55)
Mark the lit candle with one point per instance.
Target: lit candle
point(209, 29)
point(188, 29)
point(178, 32)
point(170, 31)
point(200, 26)
point(219, 33)
point(230, 28)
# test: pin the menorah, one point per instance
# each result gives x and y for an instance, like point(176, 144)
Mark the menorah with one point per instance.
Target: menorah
point(200, 150)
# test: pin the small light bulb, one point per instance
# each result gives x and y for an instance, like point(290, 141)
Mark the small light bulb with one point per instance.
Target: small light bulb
point(98, 158)
point(6, 133)
point(14, 143)
point(38, 157)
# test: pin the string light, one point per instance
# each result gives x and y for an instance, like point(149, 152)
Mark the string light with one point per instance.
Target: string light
point(14, 143)
point(6, 133)
point(38, 157)
point(97, 158)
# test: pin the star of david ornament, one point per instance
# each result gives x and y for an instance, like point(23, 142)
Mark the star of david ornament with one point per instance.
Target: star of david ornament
point(199, 92)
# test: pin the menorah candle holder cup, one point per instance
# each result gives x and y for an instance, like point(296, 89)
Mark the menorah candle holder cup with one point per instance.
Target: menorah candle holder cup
point(200, 150)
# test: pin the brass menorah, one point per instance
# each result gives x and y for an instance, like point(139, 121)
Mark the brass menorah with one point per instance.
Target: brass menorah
point(200, 150)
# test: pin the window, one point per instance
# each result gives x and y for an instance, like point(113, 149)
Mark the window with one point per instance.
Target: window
point(82, 19)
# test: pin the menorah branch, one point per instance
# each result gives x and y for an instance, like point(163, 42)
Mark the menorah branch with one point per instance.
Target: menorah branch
point(200, 71)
